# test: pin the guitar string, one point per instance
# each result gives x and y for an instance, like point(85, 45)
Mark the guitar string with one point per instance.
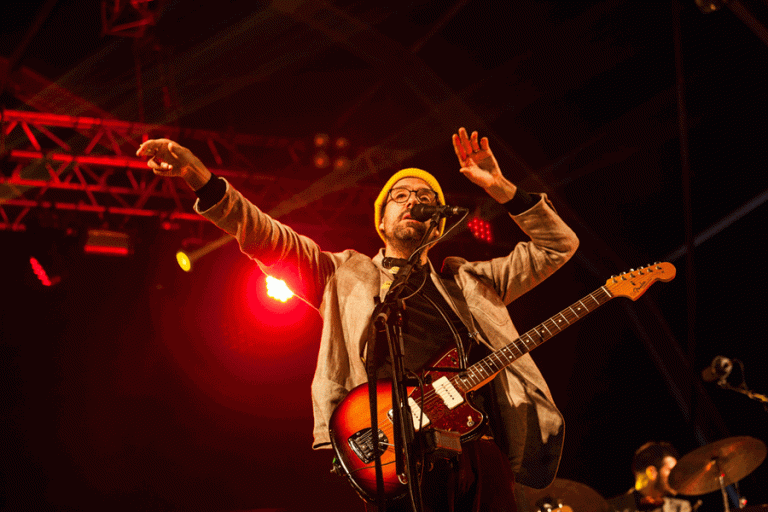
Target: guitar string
point(431, 396)
point(604, 295)
point(599, 296)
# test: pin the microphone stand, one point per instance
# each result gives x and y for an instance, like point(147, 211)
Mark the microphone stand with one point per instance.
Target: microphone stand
point(388, 321)
point(745, 391)
point(742, 388)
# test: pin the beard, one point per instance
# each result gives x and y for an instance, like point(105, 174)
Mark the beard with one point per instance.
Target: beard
point(406, 235)
point(412, 231)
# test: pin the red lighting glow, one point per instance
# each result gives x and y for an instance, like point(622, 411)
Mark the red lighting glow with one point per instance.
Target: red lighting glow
point(111, 251)
point(481, 229)
point(41, 274)
point(277, 289)
point(266, 298)
point(108, 243)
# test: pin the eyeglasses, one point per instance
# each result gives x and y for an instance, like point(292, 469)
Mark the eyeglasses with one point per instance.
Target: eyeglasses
point(423, 195)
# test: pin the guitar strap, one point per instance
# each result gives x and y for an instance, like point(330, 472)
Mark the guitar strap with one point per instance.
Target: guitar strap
point(456, 336)
point(456, 299)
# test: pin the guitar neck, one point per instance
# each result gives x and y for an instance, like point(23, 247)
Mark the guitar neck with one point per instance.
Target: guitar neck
point(490, 365)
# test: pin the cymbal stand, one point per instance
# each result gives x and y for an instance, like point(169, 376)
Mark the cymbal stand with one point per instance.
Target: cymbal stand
point(721, 481)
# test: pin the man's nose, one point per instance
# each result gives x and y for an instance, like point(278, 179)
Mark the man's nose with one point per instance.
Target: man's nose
point(412, 201)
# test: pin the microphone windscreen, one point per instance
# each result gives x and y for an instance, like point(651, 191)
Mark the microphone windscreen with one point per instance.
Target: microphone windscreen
point(423, 212)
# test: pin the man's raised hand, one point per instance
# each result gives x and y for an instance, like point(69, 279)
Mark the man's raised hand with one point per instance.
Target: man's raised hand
point(480, 166)
point(168, 158)
point(476, 159)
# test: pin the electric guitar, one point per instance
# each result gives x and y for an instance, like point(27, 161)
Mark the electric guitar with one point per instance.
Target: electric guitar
point(442, 403)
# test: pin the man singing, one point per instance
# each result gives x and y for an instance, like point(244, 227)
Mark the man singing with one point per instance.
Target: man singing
point(462, 303)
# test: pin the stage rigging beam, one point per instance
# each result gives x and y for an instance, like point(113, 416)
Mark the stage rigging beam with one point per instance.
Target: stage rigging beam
point(87, 165)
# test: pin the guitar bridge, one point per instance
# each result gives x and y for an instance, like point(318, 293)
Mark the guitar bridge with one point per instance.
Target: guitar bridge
point(362, 444)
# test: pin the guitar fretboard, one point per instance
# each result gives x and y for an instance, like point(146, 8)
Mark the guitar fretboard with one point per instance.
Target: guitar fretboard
point(493, 363)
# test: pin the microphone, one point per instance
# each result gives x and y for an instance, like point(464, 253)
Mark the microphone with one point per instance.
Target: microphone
point(719, 370)
point(388, 262)
point(424, 212)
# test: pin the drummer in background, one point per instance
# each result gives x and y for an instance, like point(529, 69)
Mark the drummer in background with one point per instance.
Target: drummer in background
point(651, 466)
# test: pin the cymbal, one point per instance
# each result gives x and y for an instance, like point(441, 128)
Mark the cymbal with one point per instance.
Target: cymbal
point(574, 495)
point(735, 457)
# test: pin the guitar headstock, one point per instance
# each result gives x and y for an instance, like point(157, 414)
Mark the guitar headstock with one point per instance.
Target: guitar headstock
point(633, 284)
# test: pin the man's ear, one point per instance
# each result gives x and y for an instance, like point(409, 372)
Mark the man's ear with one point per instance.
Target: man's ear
point(641, 481)
point(381, 226)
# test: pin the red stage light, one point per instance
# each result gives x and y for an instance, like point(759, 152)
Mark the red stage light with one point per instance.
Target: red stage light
point(481, 229)
point(110, 243)
point(110, 251)
point(41, 274)
point(260, 291)
point(278, 290)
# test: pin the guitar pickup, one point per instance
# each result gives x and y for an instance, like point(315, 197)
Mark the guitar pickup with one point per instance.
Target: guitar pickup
point(415, 413)
point(450, 395)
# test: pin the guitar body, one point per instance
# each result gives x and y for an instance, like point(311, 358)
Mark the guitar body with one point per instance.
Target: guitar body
point(351, 435)
point(445, 405)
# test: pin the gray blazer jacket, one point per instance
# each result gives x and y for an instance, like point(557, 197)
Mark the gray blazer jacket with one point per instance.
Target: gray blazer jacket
point(343, 285)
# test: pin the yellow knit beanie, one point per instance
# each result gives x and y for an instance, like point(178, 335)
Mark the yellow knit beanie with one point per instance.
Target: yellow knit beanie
point(411, 172)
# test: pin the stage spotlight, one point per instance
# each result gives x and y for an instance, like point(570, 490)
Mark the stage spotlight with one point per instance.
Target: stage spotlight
point(186, 259)
point(481, 229)
point(707, 6)
point(42, 274)
point(321, 160)
point(109, 243)
point(331, 153)
point(341, 143)
point(342, 163)
point(277, 289)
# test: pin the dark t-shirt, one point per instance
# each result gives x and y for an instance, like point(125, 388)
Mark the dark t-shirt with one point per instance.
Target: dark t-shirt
point(631, 502)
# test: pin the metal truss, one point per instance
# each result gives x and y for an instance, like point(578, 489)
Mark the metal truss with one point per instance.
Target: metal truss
point(85, 168)
point(89, 165)
point(128, 18)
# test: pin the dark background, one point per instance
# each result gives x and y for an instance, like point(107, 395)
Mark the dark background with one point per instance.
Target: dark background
point(131, 385)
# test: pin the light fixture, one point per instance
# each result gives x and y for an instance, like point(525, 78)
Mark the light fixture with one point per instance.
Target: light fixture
point(42, 273)
point(186, 259)
point(277, 289)
point(321, 160)
point(321, 140)
point(331, 154)
point(109, 243)
point(481, 229)
point(707, 6)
